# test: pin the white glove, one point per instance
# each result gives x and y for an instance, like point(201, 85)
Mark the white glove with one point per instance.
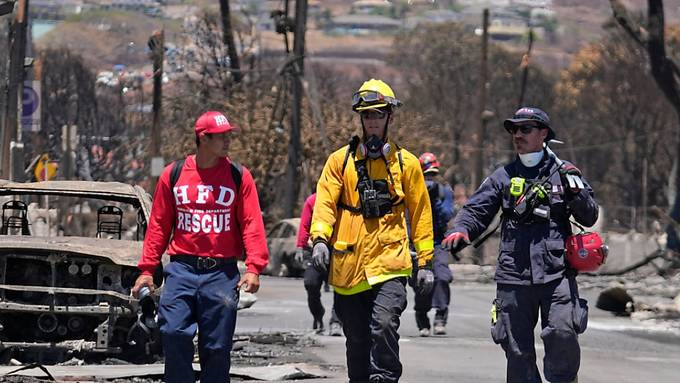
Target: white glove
point(299, 256)
point(425, 281)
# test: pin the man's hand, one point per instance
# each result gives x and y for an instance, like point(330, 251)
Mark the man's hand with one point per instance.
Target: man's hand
point(455, 242)
point(143, 280)
point(572, 175)
point(424, 281)
point(321, 256)
point(299, 256)
point(251, 281)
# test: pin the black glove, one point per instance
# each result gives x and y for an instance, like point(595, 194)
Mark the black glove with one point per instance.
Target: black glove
point(455, 242)
point(321, 255)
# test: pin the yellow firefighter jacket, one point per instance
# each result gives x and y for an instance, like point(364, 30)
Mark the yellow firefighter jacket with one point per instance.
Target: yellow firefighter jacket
point(369, 251)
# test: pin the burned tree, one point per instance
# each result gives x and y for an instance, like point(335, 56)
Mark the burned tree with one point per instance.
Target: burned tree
point(665, 72)
point(228, 40)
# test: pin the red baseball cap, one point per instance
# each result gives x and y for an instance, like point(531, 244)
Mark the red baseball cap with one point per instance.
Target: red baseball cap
point(212, 122)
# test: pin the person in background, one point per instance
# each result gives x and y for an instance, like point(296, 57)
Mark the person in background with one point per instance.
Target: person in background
point(313, 278)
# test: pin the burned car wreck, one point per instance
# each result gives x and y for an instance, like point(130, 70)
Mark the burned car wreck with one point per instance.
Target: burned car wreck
point(68, 255)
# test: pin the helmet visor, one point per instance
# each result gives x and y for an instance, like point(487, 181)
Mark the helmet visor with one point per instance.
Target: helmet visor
point(374, 99)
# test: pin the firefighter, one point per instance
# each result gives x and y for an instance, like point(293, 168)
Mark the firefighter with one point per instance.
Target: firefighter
point(537, 199)
point(359, 231)
point(441, 203)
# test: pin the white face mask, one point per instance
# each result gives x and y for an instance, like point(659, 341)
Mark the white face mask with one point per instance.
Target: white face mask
point(531, 159)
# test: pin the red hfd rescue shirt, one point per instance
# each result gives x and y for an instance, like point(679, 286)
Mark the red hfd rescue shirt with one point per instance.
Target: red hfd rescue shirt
point(208, 216)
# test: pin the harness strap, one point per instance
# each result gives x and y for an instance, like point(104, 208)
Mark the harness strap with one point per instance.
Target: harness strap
point(357, 209)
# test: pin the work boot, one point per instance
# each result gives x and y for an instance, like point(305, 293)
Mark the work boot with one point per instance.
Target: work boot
point(334, 329)
point(439, 328)
point(424, 332)
point(318, 326)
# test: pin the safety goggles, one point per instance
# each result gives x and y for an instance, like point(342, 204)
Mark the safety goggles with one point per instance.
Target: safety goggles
point(369, 97)
point(524, 129)
point(372, 114)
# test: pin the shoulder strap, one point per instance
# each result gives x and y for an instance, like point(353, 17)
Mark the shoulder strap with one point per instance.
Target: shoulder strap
point(175, 172)
point(351, 149)
point(237, 174)
point(401, 160)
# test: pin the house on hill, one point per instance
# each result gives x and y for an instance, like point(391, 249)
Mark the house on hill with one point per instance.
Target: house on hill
point(362, 24)
point(371, 7)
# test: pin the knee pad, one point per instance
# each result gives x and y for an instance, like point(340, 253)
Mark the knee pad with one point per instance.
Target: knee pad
point(559, 336)
point(562, 354)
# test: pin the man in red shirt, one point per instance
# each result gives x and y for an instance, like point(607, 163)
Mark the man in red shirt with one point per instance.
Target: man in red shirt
point(205, 222)
point(313, 277)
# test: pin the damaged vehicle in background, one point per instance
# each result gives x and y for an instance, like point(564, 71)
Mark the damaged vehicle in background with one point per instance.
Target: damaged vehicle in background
point(68, 256)
point(282, 243)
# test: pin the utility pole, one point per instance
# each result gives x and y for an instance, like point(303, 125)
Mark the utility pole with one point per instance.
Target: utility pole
point(525, 69)
point(156, 45)
point(12, 128)
point(479, 157)
point(292, 175)
point(6, 8)
point(69, 141)
point(228, 40)
point(483, 117)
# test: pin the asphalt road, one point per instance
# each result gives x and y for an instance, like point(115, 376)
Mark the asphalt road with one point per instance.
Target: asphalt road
point(614, 349)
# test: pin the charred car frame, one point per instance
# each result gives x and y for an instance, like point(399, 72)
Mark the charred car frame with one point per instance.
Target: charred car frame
point(65, 289)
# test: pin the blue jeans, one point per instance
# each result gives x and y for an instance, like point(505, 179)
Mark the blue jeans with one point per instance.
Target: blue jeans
point(370, 320)
point(204, 300)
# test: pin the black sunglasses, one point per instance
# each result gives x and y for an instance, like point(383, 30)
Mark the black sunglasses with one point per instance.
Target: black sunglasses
point(524, 129)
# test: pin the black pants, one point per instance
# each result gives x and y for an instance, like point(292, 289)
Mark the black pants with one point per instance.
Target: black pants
point(314, 279)
point(370, 321)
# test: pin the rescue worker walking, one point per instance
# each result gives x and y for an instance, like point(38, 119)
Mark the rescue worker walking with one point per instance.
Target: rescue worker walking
point(206, 214)
point(441, 203)
point(537, 199)
point(313, 278)
point(359, 232)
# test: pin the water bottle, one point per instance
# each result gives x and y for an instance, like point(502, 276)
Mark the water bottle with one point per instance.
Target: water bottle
point(144, 292)
point(147, 307)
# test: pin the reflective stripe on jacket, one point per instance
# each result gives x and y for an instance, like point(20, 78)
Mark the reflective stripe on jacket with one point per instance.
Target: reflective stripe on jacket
point(370, 251)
